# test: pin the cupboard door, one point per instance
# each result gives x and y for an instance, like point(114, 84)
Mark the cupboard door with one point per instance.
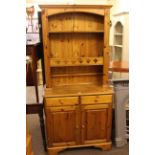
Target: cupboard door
point(62, 126)
point(95, 123)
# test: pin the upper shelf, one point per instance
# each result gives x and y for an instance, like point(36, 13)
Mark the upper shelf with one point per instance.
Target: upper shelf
point(75, 22)
point(118, 34)
point(120, 46)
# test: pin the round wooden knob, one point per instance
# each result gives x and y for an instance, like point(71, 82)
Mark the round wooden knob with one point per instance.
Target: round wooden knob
point(95, 100)
point(61, 101)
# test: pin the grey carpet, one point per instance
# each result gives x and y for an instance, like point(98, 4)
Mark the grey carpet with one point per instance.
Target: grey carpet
point(31, 94)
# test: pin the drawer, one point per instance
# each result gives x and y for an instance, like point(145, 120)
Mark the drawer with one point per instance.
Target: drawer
point(60, 108)
point(95, 106)
point(96, 99)
point(61, 101)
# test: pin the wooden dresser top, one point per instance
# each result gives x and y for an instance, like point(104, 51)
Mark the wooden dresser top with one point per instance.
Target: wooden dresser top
point(77, 90)
point(75, 6)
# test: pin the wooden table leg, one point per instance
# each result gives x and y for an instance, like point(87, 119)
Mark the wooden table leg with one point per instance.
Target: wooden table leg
point(34, 64)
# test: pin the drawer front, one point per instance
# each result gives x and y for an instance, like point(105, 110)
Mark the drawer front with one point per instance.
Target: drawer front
point(96, 99)
point(61, 101)
point(60, 108)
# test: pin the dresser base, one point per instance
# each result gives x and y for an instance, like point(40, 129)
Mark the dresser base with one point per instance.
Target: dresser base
point(104, 146)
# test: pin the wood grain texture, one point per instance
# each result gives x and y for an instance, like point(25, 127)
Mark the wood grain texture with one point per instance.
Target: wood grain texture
point(77, 106)
point(75, 48)
point(94, 123)
point(103, 145)
point(57, 9)
point(106, 46)
point(73, 45)
point(61, 126)
point(29, 150)
point(61, 101)
point(46, 47)
point(96, 99)
point(76, 90)
point(86, 61)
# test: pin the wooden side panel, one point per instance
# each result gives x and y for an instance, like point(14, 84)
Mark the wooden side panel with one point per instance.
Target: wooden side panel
point(106, 46)
point(94, 123)
point(109, 122)
point(62, 127)
point(46, 48)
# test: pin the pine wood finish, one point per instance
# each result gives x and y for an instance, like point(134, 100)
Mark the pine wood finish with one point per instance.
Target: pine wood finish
point(78, 99)
point(29, 150)
point(73, 36)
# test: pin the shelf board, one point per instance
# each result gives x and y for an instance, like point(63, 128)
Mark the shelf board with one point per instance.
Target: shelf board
point(72, 65)
point(83, 61)
point(77, 74)
point(93, 31)
point(73, 90)
point(121, 46)
point(118, 34)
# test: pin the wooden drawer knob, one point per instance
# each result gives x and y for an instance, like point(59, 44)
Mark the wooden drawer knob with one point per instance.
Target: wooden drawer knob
point(77, 127)
point(61, 101)
point(95, 100)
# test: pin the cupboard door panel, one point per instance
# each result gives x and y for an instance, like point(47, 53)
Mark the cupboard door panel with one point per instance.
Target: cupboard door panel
point(94, 123)
point(62, 127)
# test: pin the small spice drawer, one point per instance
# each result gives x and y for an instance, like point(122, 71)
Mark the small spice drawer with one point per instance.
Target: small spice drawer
point(96, 99)
point(61, 101)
